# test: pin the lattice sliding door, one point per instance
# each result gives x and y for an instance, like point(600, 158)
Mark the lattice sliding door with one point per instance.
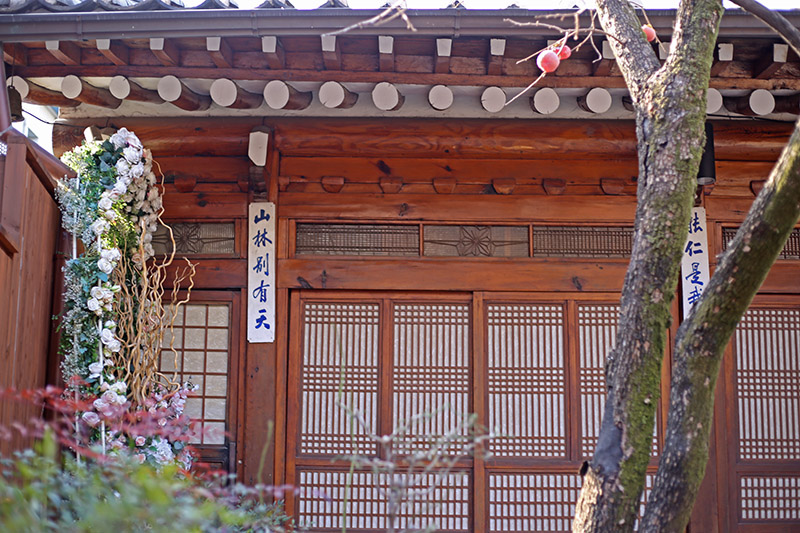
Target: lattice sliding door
point(366, 364)
point(767, 400)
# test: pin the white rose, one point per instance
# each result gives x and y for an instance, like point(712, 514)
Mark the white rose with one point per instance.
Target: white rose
point(111, 254)
point(93, 305)
point(115, 346)
point(90, 418)
point(106, 336)
point(99, 226)
point(105, 266)
point(133, 154)
point(137, 170)
point(97, 293)
point(119, 138)
point(105, 203)
point(119, 387)
point(123, 167)
point(140, 441)
point(110, 215)
point(95, 368)
point(110, 324)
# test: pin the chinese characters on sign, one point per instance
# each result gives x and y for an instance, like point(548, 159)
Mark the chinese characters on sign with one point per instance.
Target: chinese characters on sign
point(694, 264)
point(261, 273)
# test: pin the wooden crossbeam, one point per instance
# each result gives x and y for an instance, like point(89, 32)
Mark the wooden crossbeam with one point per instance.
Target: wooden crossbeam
point(66, 52)
point(273, 49)
point(75, 88)
point(723, 57)
point(386, 53)
point(15, 54)
point(331, 54)
point(165, 51)
point(220, 52)
point(771, 61)
point(114, 51)
point(444, 48)
point(604, 66)
point(494, 62)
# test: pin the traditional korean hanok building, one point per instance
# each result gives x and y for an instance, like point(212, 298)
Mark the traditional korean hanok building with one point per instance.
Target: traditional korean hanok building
point(368, 217)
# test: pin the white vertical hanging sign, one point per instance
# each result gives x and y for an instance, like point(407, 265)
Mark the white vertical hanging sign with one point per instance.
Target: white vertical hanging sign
point(261, 272)
point(694, 263)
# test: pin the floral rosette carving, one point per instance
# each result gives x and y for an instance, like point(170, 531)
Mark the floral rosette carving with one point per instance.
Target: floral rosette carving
point(114, 319)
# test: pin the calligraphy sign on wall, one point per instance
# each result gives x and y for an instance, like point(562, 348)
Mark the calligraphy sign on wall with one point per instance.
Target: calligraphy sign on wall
point(694, 263)
point(261, 273)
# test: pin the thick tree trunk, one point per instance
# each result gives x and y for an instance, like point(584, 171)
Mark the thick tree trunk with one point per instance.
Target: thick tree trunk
point(670, 105)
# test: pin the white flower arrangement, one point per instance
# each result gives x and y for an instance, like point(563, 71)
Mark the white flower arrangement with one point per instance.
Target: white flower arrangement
point(113, 207)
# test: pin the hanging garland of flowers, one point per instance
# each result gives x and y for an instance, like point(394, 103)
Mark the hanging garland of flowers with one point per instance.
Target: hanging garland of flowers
point(114, 320)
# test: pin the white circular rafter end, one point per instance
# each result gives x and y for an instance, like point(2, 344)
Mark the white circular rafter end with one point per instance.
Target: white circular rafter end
point(332, 94)
point(19, 84)
point(170, 88)
point(545, 101)
point(386, 97)
point(713, 101)
point(276, 94)
point(120, 87)
point(71, 86)
point(223, 92)
point(440, 97)
point(493, 99)
point(762, 102)
point(598, 100)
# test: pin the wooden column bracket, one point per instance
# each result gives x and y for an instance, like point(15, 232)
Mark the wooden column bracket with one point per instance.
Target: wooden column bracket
point(226, 93)
point(444, 185)
point(386, 53)
point(15, 54)
point(334, 95)
point(165, 51)
point(172, 90)
point(76, 89)
point(494, 62)
point(504, 185)
point(283, 183)
point(273, 49)
point(331, 54)
point(281, 95)
point(554, 186)
point(35, 94)
point(444, 47)
point(332, 184)
point(391, 184)
point(723, 57)
point(768, 65)
point(114, 51)
point(612, 186)
point(607, 65)
point(220, 51)
point(756, 186)
point(125, 89)
point(185, 183)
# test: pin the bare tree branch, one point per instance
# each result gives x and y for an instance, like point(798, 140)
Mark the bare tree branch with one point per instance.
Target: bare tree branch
point(774, 20)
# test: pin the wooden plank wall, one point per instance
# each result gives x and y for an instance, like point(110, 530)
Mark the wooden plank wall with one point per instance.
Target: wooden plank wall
point(26, 289)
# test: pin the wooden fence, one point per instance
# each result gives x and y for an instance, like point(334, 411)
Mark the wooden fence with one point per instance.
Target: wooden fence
point(29, 275)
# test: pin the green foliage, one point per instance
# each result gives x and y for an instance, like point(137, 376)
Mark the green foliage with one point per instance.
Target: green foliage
point(40, 493)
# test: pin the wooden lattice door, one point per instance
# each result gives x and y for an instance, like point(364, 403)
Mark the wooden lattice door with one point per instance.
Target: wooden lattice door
point(529, 366)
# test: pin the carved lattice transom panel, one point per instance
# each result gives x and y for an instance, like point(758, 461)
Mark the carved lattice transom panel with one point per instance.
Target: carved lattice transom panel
point(582, 241)
point(196, 238)
point(475, 241)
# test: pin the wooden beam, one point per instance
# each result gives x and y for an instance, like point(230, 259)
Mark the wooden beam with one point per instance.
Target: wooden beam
point(444, 48)
point(788, 104)
point(66, 52)
point(771, 62)
point(757, 103)
point(494, 62)
point(385, 53)
point(15, 54)
point(332, 184)
point(75, 88)
point(273, 49)
point(504, 185)
point(723, 58)
point(172, 90)
point(165, 51)
point(334, 95)
point(114, 51)
point(125, 89)
point(226, 93)
point(220, 52)
point(554, 186)
point(605, 66)
point(331, 54)
point(386, 97)
point(366, 76)
point(281, 95)
point(612, 186)
point(35, 94)
point(391, 184)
